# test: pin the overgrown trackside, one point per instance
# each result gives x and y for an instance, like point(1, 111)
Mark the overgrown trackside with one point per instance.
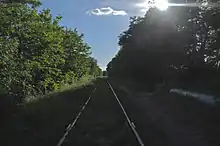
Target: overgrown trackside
point(37, 54)
point(174, 119)
point(43, 122)
point(102, 122)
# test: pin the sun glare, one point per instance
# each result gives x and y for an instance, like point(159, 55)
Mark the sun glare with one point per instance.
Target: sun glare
point(161, 5)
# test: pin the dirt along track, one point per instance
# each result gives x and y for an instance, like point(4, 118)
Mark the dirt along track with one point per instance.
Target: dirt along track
point(46, 122)
point(158, 120)
point(164, 119)
point(102, 123)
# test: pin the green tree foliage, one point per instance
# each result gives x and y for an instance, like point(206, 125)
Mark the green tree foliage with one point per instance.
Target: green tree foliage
point(38, 55)
point(181, 39)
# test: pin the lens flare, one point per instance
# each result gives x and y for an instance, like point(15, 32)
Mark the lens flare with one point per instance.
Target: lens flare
point(161, 5)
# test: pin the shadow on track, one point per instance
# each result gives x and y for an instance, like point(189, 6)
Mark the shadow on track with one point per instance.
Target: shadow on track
point(43, 122)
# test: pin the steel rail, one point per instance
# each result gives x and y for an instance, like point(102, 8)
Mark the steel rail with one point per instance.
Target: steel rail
point(70, 126)
point(131, 124)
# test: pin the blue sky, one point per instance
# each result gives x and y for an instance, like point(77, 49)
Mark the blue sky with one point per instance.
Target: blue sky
point(101, 22)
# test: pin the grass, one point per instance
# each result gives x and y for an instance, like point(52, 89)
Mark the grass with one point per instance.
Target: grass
point(150, 133)
point(102, 123)
point(210, 87)
point(184, 111)
point(192, 113)
point(76, 84)
point(43, 121)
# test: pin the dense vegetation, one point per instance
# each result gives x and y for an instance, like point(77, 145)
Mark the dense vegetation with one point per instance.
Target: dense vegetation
point(181, 44)
point(37, 54)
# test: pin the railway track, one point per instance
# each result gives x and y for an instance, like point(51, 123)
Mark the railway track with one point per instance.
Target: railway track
point(97, 117)
point(102, 120)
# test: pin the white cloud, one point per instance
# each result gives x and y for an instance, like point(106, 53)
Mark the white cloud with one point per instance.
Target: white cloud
point(120, 7)
point(106, 11)
point(132, 7)
point(119, 12)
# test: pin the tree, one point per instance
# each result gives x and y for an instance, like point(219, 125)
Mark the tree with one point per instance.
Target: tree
point(37, 54)
point(145, 48)
point(182, 40)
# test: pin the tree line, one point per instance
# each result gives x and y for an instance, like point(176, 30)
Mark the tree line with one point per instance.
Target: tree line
point(181, 44)
point(37, 54)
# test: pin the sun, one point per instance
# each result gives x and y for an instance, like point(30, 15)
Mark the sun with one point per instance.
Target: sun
point(161, 5)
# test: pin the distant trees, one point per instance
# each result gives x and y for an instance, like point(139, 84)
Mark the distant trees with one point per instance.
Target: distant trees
point(38, 55)
point(181, 40)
